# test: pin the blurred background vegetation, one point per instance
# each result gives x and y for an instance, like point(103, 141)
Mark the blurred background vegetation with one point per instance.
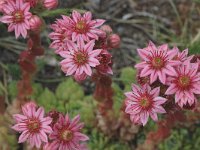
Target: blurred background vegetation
point(176, 22)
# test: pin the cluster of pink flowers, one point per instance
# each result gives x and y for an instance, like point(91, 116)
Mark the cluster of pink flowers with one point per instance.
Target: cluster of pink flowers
point(18, 17)
point(51, 132)
point(171, 69)
point(84, 44)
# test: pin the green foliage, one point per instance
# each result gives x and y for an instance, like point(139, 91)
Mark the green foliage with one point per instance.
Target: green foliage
point(118, 98)
point(12, 89)
point(40, 64)
point(84, 107)
point(48, 100)
point(37, 90)
point(197, 1)
point(1, 88)
point(97, 141)
point(69, 90)
point(195, 48)
point(182, 139)
point(128, 76)
point(68, 98)
point(100, 142)
point(14, 71)
point(7, 139)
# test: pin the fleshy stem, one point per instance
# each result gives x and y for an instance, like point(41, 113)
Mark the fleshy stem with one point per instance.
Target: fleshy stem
point(28, 66)
point(108, 122)
point(103, 94)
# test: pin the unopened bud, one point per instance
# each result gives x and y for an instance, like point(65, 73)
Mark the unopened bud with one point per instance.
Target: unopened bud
point(35, 23)
point(107, 29)
point(114, 41)
point(50, 4)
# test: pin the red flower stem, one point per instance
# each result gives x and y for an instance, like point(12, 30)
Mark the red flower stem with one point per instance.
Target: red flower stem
point(28, 66)
point(103, 93)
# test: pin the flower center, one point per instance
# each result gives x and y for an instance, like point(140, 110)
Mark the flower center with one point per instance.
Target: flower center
point(33, 125)
point(18, 16)
point(157, 62)
point(184, 81)
point(145, 102)
point(81, 26)
point(81, 58)
point(67, 135)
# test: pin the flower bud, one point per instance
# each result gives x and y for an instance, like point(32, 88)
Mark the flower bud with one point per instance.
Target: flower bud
point(102, 34)
point(114, 41)
point(107, 29)
point(55, 116)
point(50, 4)
point(80, 77)
point(35, 23)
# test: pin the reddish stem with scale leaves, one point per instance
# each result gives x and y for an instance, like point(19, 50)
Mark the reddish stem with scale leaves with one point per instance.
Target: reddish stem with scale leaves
point(28, 66)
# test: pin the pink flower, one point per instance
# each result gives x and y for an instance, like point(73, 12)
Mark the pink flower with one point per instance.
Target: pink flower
point(80, 58)
point(59, 36)
point(182, 56)
point(50, 4)
point(35, 23)
point(83, 27)
point(185, 83)
point(105, 65)
point(33, 125)
point(17, 15)
point(66, 134)
point(2, 2)
point(150, 47)
point(157, 62)
point(144, 102)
